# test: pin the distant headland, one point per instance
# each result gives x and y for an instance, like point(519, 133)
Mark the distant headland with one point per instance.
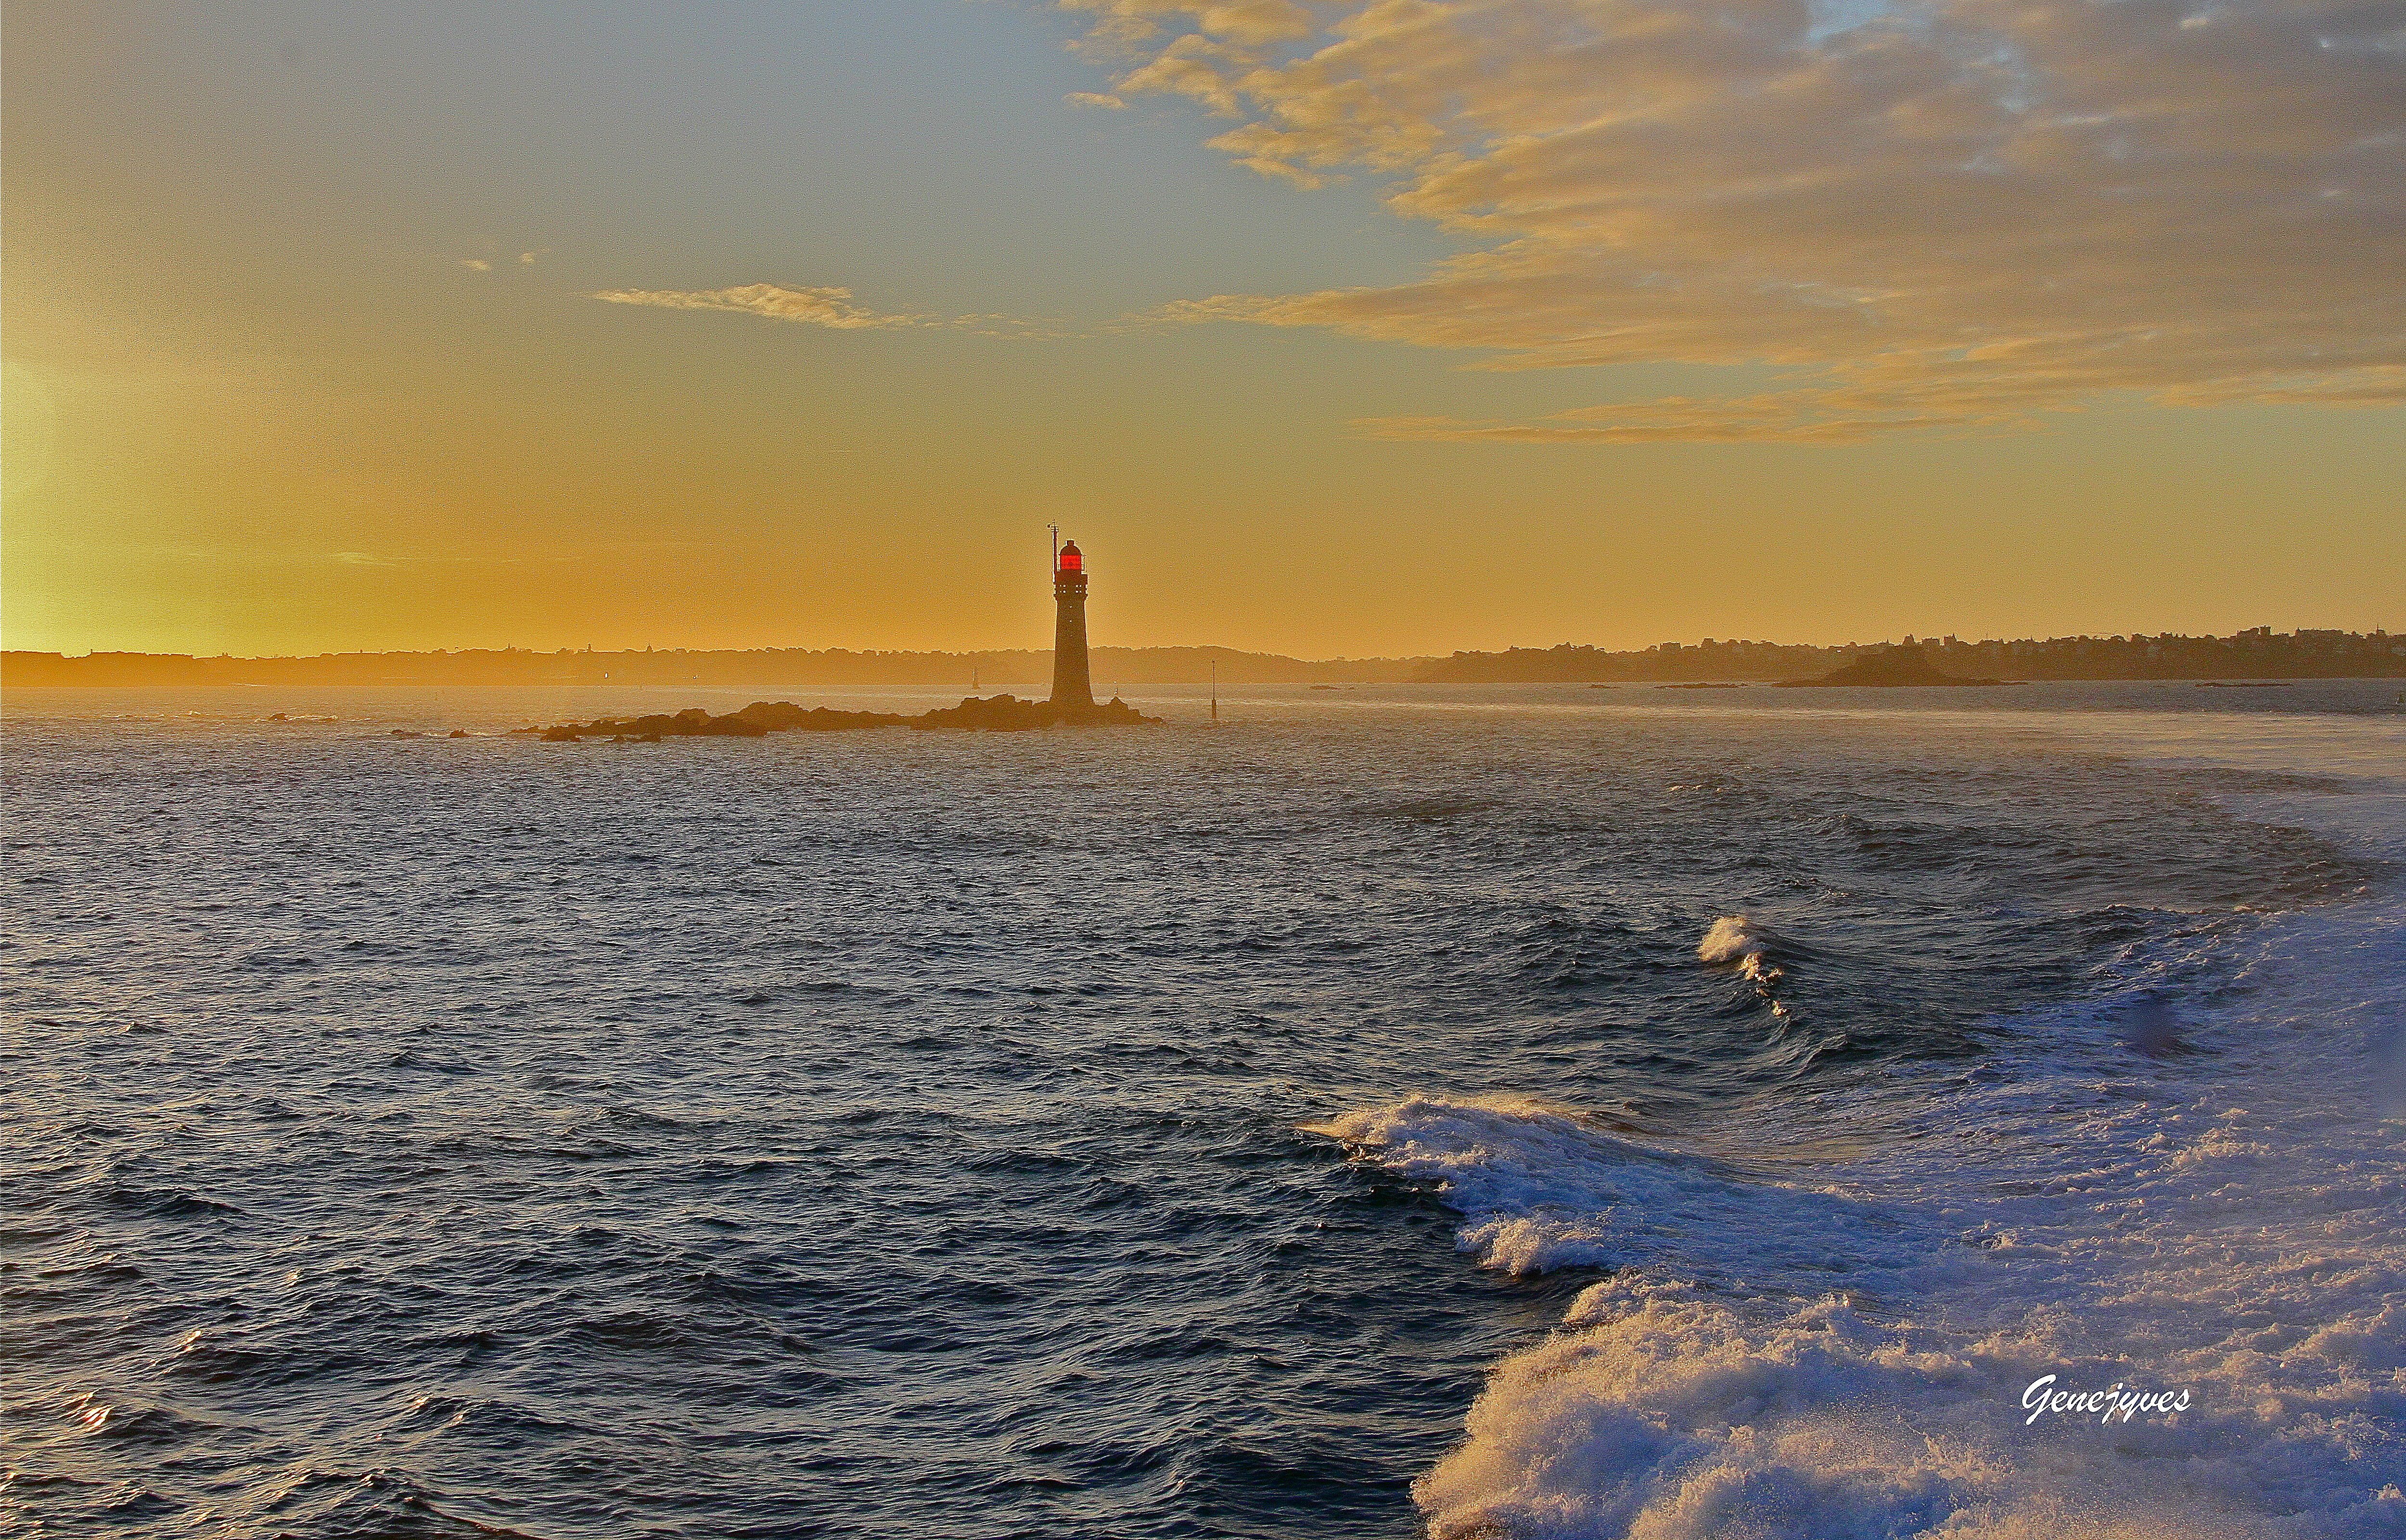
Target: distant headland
point(2259, 654)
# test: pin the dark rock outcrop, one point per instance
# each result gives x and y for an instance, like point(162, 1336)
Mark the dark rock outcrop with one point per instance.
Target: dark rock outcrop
point(1009, 713)
point(997, 714)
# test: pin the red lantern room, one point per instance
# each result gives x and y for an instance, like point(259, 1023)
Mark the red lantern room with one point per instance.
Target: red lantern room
point(1071, 561)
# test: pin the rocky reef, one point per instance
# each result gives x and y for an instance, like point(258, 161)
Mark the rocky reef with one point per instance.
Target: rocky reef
point(997, 713)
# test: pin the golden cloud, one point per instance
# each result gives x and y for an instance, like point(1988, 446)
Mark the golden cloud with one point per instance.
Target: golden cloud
point(1950, 214)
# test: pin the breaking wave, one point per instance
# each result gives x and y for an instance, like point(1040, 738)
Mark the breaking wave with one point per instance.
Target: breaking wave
point(1663, 1412)
point(1848, 1355)
point(1735, 938)
point(1849, 1348)
point(1745, 943)
point(1542, 1188)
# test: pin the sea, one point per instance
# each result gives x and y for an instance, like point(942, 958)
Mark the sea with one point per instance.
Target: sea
point(1485, 1112)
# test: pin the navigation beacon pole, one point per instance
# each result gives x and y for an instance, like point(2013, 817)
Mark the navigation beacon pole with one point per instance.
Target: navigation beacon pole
point(1071, 684)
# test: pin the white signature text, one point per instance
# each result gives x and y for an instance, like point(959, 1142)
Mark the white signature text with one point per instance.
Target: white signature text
point(2105, 1406)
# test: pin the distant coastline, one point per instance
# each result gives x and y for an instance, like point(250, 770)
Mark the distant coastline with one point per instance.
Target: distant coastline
point(1023, 669)
point(1896, 668)
point(2259, 654)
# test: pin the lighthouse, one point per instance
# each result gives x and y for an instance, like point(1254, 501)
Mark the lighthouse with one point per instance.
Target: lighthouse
point(1071, 684)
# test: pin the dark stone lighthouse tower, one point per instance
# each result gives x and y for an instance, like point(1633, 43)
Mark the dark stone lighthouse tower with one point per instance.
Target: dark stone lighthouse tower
point(1071, 684)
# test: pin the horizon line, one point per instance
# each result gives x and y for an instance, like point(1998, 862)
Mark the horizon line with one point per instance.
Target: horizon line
point(1905, 638)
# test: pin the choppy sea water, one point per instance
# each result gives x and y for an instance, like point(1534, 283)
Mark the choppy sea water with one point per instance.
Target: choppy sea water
point(1495, 1112)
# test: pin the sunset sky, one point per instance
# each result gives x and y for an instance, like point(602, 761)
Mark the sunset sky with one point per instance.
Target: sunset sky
point(1325, 329)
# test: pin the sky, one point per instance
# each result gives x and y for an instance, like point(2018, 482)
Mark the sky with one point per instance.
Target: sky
point(1329, 328)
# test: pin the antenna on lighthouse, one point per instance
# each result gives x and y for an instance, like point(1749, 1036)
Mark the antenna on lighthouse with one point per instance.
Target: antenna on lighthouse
point(1057, 545)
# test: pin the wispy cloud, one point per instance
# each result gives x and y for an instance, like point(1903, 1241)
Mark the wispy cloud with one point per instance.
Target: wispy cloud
point(1095, 99)
point(829, 307)
point(374, 558)
point(475, 265)
point(1956, 215)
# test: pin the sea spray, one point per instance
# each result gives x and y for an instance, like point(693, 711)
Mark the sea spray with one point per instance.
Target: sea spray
point(1865, 1368)
point(2210, 1258)
point(1737, 938)
point(1747, 943)
point(1670, 1412)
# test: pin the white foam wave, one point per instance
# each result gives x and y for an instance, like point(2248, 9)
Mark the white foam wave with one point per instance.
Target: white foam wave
point(2181, 1187)
point(1541, 1188)
point(1668, 1414)
point(1849, 1359)
point(1845, 1354)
